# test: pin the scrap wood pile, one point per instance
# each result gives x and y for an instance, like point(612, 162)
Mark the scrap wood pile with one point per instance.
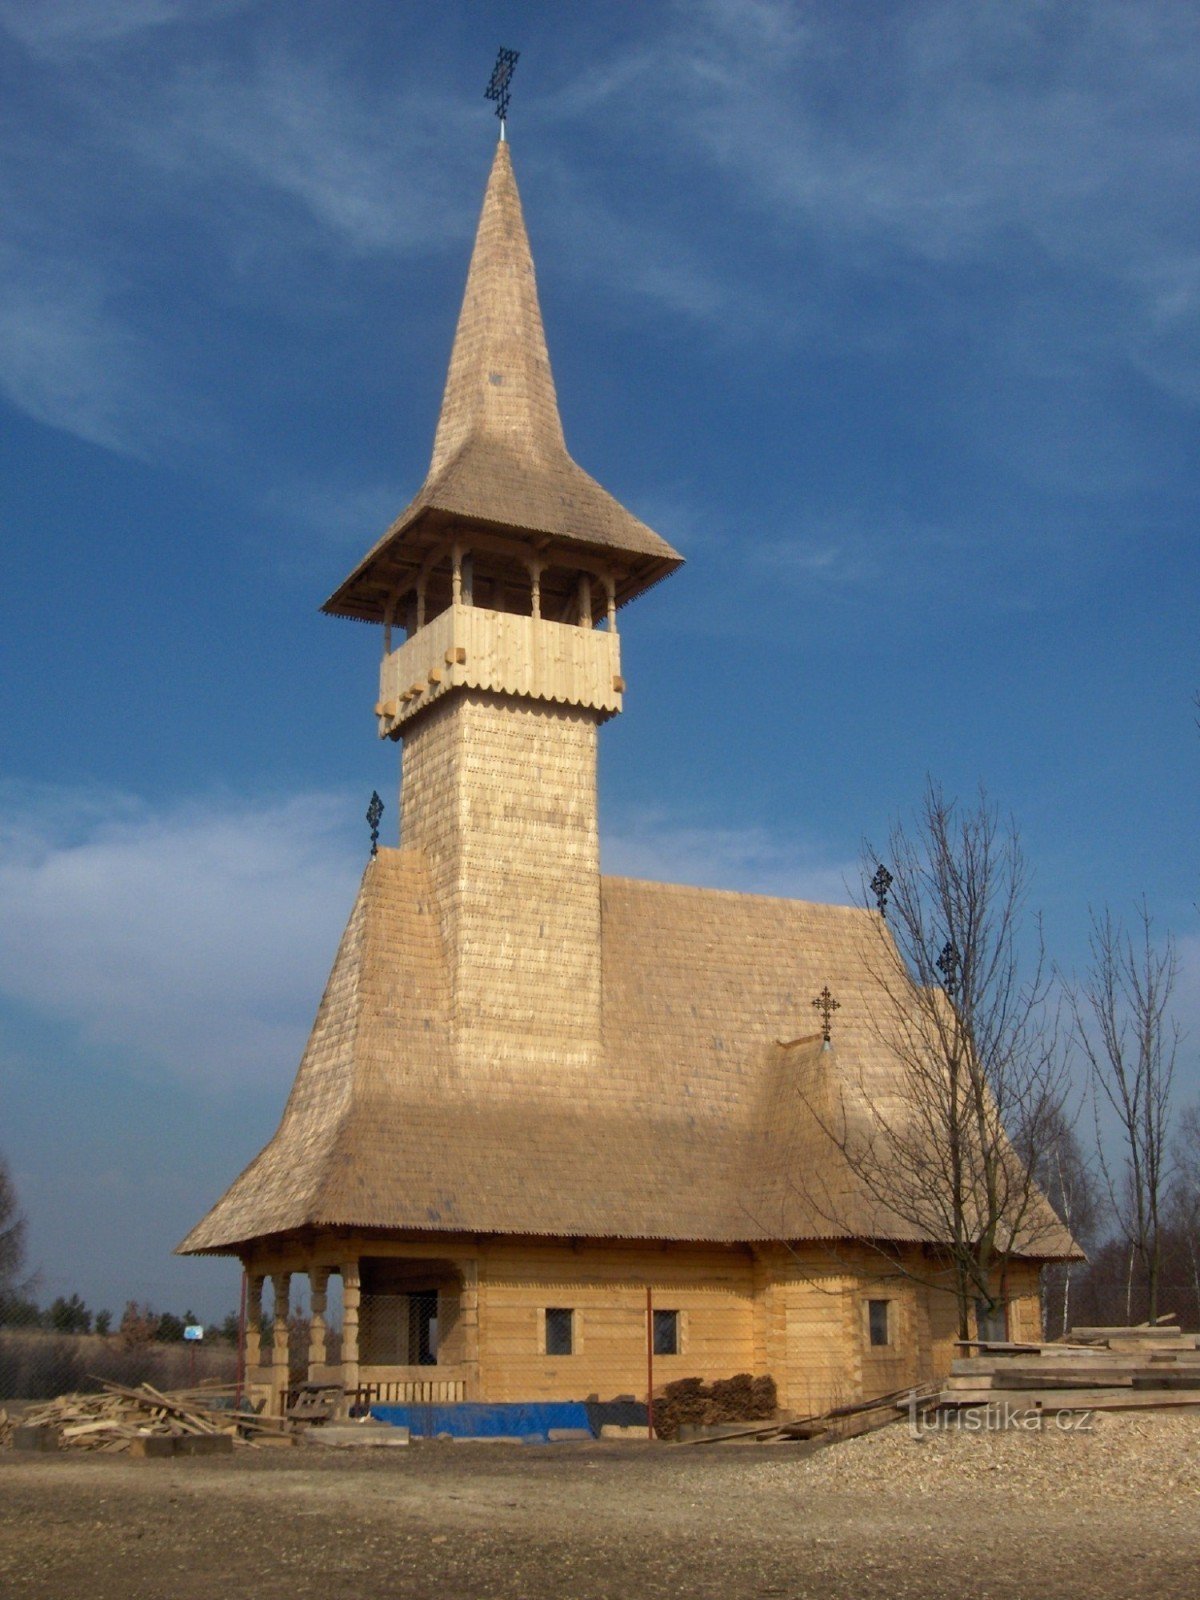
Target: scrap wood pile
point(1102, 1369)
point(114, 1419)
point(689, 1400)
point(832, 1426)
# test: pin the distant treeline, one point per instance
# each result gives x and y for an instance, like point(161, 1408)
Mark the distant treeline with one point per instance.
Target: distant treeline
point(138, 1324)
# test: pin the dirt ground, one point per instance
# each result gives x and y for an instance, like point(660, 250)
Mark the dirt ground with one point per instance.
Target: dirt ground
point(1111, 1513)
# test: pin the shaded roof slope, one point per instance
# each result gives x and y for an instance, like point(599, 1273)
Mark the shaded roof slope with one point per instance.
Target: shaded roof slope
point(696, 1128)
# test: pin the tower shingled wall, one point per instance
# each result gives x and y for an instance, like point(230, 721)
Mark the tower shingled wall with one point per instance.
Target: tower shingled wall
point(499, 792)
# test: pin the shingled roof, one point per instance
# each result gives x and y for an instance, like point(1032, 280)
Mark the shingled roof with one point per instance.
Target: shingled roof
point(499, 457)
point(698, 1125)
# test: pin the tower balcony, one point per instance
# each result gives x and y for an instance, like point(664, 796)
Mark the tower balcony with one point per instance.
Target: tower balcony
point(470, 647)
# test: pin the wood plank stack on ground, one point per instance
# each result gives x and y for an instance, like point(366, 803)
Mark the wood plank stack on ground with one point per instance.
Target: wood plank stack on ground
point(122, 1419)
point(1151, 1367)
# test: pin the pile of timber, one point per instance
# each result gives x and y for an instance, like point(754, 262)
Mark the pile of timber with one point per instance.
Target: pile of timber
point(691, 1402)
point(833, 1426)
point(1094, 1369)
point(120, 1419)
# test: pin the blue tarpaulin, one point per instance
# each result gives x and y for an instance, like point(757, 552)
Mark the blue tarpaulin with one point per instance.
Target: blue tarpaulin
point(468, 1421)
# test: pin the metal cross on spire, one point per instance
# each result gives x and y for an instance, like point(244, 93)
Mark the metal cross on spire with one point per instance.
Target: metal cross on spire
point(826, 1005)
point(880, 884)
point(948, 964)
point(498, 85)
point(374, 812)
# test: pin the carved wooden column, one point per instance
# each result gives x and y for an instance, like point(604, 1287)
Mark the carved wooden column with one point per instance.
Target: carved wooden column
point(318, 1278)
point(254, 1293)
point(281, 1283)
point(469, 1312)
point(351, 1295)
point(536, 568)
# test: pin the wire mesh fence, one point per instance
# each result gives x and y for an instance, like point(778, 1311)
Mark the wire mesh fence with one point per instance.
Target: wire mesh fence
point(37, 1364)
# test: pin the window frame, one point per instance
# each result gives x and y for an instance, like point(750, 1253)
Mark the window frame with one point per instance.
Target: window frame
point(676, 1326)
point(567, 1312)
point(888, 1341)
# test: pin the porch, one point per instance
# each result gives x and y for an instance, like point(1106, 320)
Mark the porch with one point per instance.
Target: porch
point(409, 1331)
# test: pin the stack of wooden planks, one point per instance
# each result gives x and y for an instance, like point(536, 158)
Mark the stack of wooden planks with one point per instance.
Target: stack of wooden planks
point(1100, 1369)
point(117, 1418)
point(831, 1427)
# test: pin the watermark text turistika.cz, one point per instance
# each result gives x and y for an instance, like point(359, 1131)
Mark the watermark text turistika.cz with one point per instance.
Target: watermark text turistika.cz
point(998, 1418)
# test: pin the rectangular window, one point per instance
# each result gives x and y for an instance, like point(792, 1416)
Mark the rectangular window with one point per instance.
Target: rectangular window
point(991, 1322)
point(560, 1331)
point(879, 1319)
point(666, 1333)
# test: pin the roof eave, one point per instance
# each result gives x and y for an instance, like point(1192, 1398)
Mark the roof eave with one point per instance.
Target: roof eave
point(363, 596)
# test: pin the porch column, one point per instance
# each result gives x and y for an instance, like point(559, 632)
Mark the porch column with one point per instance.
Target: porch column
point(281, 1282)
point(351, 1295)
point(318, 1278)
point(535, 589)
point(254, 1291)
point(469, 1311)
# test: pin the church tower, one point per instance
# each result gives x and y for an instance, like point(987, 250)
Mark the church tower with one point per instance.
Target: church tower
point(497, 591)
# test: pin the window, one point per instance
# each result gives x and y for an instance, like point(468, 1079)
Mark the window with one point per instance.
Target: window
point(560, 1331)
point(666, 1333)
point(879, 1320)
point(991, 1322)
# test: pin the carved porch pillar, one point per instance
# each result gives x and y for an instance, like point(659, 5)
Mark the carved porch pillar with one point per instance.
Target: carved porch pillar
point(469, 1312)
point(318, 1278)
point(254, 1294)
point(281, 1282)
point(351, 1296)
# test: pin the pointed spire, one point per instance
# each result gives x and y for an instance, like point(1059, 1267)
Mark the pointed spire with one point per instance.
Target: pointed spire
point(499, 457)
point(500, 383)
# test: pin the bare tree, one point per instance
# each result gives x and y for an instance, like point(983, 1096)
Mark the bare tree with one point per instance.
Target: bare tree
point(977, 1071)
point(1068, 1180)
point(1184, 1201)
point(1121, 1012)
point(12, 1238)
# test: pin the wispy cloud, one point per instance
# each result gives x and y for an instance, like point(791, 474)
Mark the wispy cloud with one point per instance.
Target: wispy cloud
point(54, 27)
point(141, 206)
point(191, 944)
point(1015, 136)
point(670, 849)
point(70, 358)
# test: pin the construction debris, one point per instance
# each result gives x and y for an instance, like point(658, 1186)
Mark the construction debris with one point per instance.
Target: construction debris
point(830, 1427)
point(144, 1421)
point(690, 1401)
point(1151, 1367)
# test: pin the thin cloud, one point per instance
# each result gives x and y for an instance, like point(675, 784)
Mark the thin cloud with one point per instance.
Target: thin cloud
point(71, 360)
point(1014, 136)
point(60, 27)
point(196, 939)
point(667, 849)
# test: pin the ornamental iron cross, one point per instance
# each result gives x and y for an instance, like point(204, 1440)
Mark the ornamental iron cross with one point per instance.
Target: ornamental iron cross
point(374, 812)
point(880, 884)
point(948, 964)
point(826, 1005)
point(498, 84)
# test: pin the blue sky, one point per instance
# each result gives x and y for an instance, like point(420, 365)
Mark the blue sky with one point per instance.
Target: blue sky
point(886, 316)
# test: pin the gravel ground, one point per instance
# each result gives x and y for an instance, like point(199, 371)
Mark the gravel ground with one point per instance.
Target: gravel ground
point(1110, 1513)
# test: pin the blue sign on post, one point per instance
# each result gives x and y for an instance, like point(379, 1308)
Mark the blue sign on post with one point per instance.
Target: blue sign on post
point(193, 1331)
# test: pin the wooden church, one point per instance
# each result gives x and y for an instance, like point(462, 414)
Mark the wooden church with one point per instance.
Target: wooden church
point(548, 1122)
